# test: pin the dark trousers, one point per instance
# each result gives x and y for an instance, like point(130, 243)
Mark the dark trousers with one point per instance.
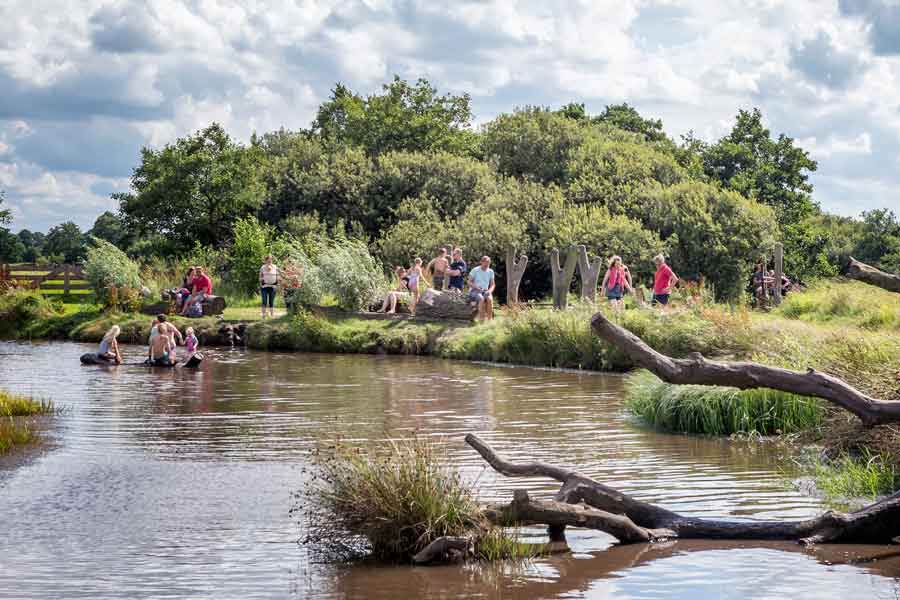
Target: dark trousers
point(268, 296)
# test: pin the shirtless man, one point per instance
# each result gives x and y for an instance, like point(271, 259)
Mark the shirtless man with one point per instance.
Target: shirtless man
point(438, 269)
point(162, 345)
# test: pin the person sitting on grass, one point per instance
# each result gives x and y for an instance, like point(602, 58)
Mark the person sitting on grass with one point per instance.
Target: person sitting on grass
point(481, 288)
point(616, 282)
point(393, 297)
point(457, 271)
point(201, 288)
point(109, 346)
point(663, 281)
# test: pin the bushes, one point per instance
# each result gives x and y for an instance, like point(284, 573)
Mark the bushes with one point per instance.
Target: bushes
point(719, 410)
point(19, 309)
point(252, 242)
point(351, 274)
point(111, 273)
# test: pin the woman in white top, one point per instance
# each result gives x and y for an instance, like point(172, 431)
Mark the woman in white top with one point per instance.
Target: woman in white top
point(268, 279)
point(109, 346)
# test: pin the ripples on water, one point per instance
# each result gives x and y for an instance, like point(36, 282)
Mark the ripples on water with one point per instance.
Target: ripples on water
point(177, 483)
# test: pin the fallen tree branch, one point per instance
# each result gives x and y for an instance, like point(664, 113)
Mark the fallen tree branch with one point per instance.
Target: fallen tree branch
point(697, 370)
point(869, 274)
point(632, 521)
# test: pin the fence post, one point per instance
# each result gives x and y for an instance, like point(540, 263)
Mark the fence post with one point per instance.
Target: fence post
point(65, 280)
point(562, 276)
point(514, 271)
point(779, 271)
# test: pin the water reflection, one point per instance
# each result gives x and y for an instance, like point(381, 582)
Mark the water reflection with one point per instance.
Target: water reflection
point(172, 482)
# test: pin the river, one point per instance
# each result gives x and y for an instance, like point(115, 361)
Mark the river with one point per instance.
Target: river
point(177, 483)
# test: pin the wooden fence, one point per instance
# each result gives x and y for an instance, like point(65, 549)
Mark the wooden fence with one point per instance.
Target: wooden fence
point(50, 279)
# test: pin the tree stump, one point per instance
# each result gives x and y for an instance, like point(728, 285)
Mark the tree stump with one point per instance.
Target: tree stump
point(562, 277)
point(590, 274)
point(514, 271)
point(445, 305)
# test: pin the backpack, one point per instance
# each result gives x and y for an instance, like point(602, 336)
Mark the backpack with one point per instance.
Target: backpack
point(195, 310)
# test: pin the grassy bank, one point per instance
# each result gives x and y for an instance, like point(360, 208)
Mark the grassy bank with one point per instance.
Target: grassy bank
point(15, 430)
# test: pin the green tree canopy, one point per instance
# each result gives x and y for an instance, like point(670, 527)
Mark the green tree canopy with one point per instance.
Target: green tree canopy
point(110, 227)
point(412, 117)
point(192, 190)
point(66, 241)
point(773, 171)
point(628, 118)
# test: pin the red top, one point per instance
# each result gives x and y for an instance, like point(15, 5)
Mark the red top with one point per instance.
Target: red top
point(202, 283)
point(615, 276)
point(663, 279)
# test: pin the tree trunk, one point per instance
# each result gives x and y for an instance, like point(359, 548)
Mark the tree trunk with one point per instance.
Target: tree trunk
point(779, 271)
point(696, 370)
point(514, 271)
point(632, 521)
point(445, 305)
point(871, 275)
point(562, 277)
point(590, 274)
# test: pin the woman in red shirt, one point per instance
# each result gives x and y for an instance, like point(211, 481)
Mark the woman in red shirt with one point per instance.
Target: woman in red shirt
point(616, 282)
point(663, 281)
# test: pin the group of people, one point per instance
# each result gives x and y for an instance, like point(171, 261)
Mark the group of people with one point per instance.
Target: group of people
point(452, 272)
point(163, 343)
point(195, 287)
point(764, 283)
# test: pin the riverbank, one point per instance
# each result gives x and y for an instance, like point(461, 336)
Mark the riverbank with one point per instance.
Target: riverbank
point(845, 328)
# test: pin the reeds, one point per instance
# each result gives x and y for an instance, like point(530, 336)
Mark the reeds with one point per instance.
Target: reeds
point(14, 430)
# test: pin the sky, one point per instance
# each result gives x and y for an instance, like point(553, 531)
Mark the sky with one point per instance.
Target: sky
point(85, 84)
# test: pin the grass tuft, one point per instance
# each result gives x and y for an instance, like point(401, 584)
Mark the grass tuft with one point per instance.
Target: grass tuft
point(856, 476)
point(13, 430)
point(719, 410)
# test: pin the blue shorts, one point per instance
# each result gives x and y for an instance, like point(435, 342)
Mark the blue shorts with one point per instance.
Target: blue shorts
point(476, 295)
point(615, 293)
point(660, 299)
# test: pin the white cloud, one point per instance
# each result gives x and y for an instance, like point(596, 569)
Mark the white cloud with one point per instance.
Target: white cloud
point(117, 72)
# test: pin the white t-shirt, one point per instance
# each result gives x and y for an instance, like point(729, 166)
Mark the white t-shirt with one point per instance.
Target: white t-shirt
point(269, 275)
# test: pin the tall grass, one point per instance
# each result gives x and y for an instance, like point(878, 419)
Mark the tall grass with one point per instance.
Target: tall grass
point(719, 410)
point(391, 501)
point(13, 430)
point(844, 302)
point(846, 477)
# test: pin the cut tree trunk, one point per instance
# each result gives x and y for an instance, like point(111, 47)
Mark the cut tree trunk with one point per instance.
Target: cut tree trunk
point(445, 305)
point(590, 274)
point(779, 271)
point(562, 276)
point(871, 275)
point(514, 271)
point(697, 370)
point(583, 502)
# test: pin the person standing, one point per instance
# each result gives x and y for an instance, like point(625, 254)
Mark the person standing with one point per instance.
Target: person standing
point(481, 288)
point(268, 280)
point(414, 274)
point(457, 271)
point(663, 281)
point(437, 267)
point(616, 282)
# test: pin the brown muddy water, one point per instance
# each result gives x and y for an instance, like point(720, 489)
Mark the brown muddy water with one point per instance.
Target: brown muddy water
point(177, 484)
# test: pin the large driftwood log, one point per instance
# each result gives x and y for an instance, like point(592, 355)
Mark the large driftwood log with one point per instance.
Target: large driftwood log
point(445, 305)
point(514, 271)
point(634, 521)
point(871, 275)
point(590, 274)
point(562, 276)
point(697, 370)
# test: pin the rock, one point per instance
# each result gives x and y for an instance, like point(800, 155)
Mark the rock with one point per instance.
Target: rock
point(445, 305)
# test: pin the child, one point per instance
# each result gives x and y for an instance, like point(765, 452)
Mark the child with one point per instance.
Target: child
point(414, 274)
point(191, 342)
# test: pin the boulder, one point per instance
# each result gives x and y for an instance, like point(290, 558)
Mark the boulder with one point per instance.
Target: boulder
point(445, 305)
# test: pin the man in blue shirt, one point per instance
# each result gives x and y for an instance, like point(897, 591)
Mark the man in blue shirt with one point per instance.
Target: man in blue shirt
point(481, 288)
point(457, 271)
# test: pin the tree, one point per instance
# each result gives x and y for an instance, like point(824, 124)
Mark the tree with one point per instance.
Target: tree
point(33, 242)
point(879, 242)
point(66, 241)
point(110, 227)
point(193, 190)
point(11, 248)
point(5, 213)
point(404, 116)
point(626, 117)
point(774, 172)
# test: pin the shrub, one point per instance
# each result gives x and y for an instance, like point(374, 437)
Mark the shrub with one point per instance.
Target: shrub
point(252, 242)
point(109, 271)
point(351, 274)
